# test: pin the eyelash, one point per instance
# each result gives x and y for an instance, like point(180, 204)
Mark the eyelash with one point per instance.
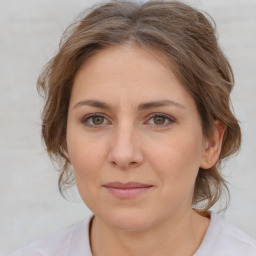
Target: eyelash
point(86, 119)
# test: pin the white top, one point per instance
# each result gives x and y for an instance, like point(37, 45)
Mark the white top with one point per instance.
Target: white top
point(221, 239)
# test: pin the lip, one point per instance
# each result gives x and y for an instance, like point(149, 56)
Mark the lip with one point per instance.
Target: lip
point(127, 190)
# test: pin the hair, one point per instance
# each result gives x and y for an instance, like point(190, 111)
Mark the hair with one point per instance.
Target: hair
point(185, 36)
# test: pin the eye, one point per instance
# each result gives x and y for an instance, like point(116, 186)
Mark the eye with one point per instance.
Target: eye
point(162, 120)
point(94, 120)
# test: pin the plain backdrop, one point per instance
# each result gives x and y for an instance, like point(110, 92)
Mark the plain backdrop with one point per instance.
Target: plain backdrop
point(29, 35)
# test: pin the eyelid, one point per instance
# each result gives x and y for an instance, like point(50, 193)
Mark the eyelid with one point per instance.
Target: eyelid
point(157, 114)
point(85, 119)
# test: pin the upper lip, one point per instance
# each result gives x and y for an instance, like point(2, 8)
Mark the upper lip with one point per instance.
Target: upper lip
point(127, 185)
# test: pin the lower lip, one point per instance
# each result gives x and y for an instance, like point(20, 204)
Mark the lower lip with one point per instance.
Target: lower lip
point(127, 193)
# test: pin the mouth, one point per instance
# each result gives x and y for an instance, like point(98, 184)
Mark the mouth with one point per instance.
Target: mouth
point(127, 190)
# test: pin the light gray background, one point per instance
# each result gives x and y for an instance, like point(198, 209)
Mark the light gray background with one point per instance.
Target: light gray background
point(29, 34)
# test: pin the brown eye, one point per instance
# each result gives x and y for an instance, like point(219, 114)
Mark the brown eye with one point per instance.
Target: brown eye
point(159, 120)
point(95, 121)
point(98, 120)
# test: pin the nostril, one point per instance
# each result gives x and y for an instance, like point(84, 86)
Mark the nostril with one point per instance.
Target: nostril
point(133, 163)
point(124, 158)
point(130, 164)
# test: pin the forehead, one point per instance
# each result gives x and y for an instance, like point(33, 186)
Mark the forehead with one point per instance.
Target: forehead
point(128, 73)
point(124, 59)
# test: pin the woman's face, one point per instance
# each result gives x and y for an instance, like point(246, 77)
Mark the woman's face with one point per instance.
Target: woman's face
point(134, 138)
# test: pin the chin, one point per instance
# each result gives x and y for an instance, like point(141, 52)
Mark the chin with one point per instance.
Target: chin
point(128, 219)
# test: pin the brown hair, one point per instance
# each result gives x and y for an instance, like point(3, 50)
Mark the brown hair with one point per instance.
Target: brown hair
point(185, 36)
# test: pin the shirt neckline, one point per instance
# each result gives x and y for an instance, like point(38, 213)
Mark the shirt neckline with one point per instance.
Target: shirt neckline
point(80, 244)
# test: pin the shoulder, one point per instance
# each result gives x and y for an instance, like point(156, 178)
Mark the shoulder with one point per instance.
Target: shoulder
point(223, 239)
point(63, 242)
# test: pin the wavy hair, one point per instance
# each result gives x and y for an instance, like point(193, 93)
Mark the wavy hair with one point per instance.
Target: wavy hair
point(185, 35)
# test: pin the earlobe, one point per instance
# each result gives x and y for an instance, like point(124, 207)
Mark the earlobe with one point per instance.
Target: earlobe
point(66, 155)
point(213, 147)
point(68, 158)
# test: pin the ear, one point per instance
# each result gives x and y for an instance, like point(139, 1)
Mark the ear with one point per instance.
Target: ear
point(213, 146)
point(66, 153)
point(67, 157)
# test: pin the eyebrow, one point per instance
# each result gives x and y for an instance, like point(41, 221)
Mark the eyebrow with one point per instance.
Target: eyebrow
point(142, 106)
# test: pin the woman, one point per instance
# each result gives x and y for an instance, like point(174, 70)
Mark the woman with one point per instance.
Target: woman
point(137, 106)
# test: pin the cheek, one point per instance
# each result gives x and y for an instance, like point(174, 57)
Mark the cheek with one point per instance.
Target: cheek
point(177, 160)
point(87, 159)
point(86, 156)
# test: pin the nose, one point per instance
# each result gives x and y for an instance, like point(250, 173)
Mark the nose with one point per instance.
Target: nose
point(124, 151)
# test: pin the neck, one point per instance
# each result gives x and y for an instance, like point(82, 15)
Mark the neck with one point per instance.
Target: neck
point(180, 235)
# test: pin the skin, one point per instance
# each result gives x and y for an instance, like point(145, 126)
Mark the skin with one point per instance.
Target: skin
point(127, 144)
